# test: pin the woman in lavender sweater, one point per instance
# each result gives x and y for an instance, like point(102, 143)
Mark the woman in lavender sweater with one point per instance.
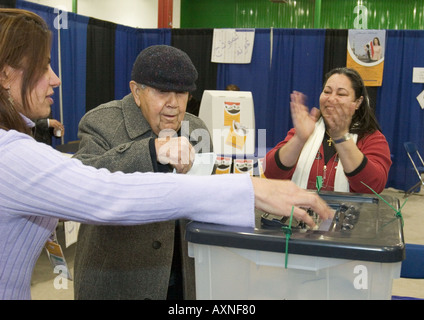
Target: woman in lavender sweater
point(38, 185)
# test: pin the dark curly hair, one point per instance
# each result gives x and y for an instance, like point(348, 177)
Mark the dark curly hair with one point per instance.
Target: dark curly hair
point(364, 120)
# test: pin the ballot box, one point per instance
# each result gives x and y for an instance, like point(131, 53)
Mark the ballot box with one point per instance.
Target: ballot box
point(355, 255)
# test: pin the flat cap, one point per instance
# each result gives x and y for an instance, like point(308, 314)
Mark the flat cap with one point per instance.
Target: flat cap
point(165, 68)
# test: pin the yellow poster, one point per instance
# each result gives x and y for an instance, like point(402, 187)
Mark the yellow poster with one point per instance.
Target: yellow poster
point(365, 54)
point(223, 165)
point(243, 166)
point(261, 168)
point(237, 135)
point(231, 112)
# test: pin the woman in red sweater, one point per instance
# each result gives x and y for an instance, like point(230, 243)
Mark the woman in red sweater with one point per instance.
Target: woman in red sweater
point(341, 142)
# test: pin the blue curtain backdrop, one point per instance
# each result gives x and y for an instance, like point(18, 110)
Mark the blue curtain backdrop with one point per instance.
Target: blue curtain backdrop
point(398, 110)
point(129, 42)
point(73, 52)
point(251, 77)
point(297, 64)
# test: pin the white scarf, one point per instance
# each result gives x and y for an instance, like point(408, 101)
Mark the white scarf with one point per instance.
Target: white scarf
point(308, 155)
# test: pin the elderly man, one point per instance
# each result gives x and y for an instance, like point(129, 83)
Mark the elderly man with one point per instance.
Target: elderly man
point(134, 262)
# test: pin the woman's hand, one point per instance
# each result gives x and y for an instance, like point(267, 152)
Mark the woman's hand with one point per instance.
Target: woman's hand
point(303, 120)
point(278, 197)
point(338, 119)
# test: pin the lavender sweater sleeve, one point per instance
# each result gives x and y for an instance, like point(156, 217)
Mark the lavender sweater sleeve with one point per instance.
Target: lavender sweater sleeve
point(39, 185)
point(37, 180)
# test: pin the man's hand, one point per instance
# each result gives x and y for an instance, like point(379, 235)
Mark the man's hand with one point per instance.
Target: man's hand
point(176, 151)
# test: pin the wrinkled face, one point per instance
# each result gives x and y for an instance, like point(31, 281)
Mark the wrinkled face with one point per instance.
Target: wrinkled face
point(162, 109)
point(40, 97)
point(338, 93)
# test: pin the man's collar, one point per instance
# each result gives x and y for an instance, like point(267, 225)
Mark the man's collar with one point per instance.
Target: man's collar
point(135, 122)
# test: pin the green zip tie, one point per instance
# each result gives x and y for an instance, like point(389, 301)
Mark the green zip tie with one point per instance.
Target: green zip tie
point(288, 232)
point(398, 213)
point(319, 183)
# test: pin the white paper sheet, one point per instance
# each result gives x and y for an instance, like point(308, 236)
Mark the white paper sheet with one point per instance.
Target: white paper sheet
point(418, 75)
point(203, 164)
point(71, 232)
point(420, 99)
point(232, 45)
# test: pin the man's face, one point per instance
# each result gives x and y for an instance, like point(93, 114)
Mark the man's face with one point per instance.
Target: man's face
point(162, 109)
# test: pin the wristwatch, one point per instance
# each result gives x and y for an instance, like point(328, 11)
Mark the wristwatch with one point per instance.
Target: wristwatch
point(346, 137)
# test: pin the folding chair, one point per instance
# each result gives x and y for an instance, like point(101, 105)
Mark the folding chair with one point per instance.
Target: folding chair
point(412, 151)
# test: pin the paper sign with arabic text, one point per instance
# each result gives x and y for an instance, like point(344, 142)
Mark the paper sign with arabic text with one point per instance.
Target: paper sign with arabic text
point(232, 45)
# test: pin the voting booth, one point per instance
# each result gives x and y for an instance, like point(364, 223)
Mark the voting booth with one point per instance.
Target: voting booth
point(230, 118)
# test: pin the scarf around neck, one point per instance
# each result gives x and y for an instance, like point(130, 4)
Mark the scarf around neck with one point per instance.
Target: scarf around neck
point(308, 155)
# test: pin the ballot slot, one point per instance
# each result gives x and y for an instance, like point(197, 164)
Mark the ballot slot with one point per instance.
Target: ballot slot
point(345, 218)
